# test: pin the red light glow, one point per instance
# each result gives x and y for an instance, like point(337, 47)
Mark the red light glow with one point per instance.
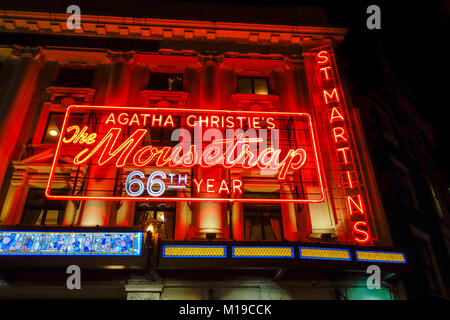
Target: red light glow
point(328, 84)
point(119, 142)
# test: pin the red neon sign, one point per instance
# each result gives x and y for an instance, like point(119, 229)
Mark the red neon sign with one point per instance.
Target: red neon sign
point(143, 153)
point(327, 82)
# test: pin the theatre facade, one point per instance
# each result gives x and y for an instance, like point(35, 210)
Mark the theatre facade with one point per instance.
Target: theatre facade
point(175, 159)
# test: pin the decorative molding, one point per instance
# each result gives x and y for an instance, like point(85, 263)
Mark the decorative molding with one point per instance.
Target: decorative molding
point(255, 102)
point(210, 58)
point(114, 56)
point(293, 62)
point(143, 296)
point(66, 96)
point(128, 27)
point(34, 154)
point(30, 52)
point(163, 99)
point(143, 290)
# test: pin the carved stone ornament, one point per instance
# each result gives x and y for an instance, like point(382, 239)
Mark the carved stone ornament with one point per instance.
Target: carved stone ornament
point(210, 58)
point(293, 61)
point(31, 52)
point(143, 296)
point(113, 56)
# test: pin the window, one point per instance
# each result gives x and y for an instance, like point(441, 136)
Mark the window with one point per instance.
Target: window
point(384, 124)
point(41, 211)
point(426, 264)
point(426, 268)
point(75, 77)
point(437, 201)
point(400, 186)
point(262, 222)
point(160, 211)
point(165, 81)
point(54, 125)
point(253, 85)
point(403, 187)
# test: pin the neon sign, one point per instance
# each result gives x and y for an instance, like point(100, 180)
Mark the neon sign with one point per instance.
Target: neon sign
point(341, 137)
point(152, 154)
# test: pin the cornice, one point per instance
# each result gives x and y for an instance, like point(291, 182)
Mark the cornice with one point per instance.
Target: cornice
point(166, 29)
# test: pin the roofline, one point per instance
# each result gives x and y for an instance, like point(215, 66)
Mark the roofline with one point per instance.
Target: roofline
point(151, 28)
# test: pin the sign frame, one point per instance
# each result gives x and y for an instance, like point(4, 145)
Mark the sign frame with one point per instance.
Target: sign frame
point(318, 166)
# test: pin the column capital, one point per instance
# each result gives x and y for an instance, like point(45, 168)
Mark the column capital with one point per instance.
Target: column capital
point(26, 51)
point(124, 56)
point(293, 61)
point(208, 58)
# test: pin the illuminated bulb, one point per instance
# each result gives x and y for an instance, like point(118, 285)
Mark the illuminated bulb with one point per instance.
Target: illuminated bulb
point(53, 132)
point(150, 228)
point(114, 267)
point(161, 217)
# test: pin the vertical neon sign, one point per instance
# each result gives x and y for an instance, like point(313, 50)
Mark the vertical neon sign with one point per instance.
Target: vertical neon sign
point(341, 138)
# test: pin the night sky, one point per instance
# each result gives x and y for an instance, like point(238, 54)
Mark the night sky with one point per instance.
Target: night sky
point(415, 34)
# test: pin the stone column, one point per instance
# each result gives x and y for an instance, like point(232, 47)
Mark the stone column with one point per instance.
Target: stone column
point(320, 214)
point(15, 101)
point(182, 218)
point(96, 212)
point(125, 214)
point(69, 213)
point(15, 201)
point(210, 90)
point(288, 103)
point(121, 67)
point(321, 220)
point(284, 85)
point(210, 214)
point(298, 86)
point(288, 214)
point(237, 216)
point(237, 221)
point(296, 97)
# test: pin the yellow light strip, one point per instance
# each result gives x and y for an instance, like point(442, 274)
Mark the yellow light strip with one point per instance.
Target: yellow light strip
point(325, 253)
point(394, 257)
point(193, 251)
point(263, 252)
